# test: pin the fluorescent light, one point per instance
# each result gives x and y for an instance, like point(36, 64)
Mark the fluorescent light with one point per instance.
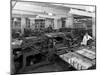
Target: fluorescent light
point(50, 14)
point(15, 19)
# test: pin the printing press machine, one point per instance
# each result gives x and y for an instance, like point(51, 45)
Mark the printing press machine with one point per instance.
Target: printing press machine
point(59, 42)
point(46, 46)
point(30, 48)
point(36, 51)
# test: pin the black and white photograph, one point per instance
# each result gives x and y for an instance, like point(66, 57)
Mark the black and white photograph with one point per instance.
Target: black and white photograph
point(52, 37)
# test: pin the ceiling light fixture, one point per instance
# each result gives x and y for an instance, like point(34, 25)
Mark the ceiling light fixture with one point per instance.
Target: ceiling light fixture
point(50, 14)
point(15, 19)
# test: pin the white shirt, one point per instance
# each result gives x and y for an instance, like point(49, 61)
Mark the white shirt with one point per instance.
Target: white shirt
point(85, 39)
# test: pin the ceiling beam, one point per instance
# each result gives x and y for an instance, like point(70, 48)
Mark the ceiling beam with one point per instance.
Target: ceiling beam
point(23, 15)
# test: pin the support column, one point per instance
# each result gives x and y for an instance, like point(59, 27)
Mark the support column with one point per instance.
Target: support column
point(23, 24)
point(32, 24)
point(55, 24)
point(69, 21)
point(59, 23)
point(93, 27)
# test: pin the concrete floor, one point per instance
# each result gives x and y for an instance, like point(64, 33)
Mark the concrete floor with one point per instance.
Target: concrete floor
point(48, 68)
point(58, 66)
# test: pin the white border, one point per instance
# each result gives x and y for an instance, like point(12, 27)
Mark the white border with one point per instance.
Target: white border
point(5, 36)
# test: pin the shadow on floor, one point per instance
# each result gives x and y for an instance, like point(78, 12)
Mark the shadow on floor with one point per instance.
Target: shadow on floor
point(58, 66)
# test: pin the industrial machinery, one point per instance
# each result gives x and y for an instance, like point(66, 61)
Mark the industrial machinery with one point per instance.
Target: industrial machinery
point(58, 42)
point(33, 53)
point(41, 50)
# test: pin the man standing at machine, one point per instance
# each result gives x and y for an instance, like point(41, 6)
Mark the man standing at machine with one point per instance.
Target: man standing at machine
point(86, 38)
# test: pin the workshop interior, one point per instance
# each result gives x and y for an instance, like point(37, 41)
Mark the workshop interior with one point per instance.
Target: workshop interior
point(52, 37)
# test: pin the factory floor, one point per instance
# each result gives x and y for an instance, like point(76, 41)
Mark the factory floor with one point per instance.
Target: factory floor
point(48, 68)
point(58, 66)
